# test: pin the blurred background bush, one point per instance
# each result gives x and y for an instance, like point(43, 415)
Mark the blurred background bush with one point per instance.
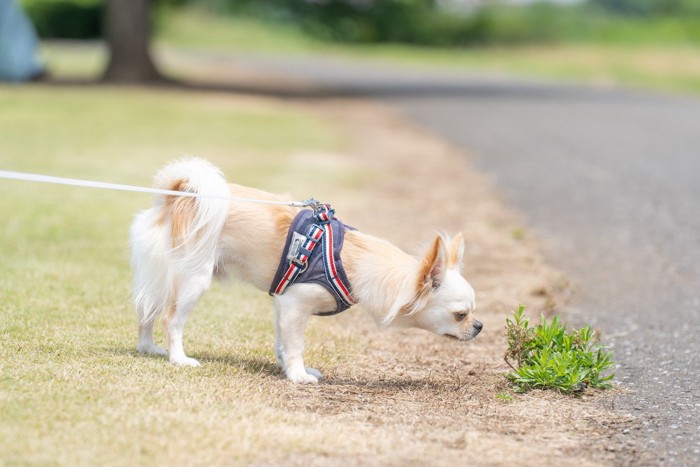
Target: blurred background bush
point(425, 22)
point(66, 19)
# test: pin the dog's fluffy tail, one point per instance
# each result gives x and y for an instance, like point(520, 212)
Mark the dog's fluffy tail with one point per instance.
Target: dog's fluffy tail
point(179, 236)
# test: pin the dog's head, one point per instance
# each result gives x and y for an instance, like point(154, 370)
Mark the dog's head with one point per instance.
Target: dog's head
point(444, 301)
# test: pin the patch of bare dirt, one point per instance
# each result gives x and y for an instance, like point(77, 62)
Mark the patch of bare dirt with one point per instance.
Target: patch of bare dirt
point(434, 400)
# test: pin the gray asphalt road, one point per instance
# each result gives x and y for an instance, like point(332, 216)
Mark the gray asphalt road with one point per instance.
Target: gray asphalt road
point(609, 180)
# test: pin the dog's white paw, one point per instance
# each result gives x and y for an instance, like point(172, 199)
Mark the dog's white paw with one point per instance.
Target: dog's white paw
point(301, 377)
point(185, 361)
point(314, 372)
point(151, 349)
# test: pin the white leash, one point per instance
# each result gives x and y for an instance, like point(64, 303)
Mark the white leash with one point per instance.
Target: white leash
point(30, 177)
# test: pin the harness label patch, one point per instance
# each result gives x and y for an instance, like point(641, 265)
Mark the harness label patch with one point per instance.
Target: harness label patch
point(297, 241)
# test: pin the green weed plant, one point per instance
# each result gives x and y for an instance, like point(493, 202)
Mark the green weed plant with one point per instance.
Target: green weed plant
point(546, 356)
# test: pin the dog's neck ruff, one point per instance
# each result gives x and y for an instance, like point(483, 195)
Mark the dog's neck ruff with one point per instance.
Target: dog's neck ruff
point(301, 261)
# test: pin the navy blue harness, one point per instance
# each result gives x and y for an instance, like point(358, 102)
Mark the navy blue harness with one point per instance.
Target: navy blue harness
point(302, 262)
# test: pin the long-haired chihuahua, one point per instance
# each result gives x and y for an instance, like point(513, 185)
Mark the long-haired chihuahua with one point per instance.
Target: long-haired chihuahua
point(314, 267)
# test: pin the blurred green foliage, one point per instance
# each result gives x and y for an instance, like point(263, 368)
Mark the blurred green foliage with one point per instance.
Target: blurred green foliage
point(425, 22)
point(66, 19)
point(648, 7)
point(428, 22)
point(75, 19)
point(402, 21)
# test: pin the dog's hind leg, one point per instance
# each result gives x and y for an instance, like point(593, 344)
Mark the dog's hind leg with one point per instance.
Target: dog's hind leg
point(186, 297)
point(150, 244)
point(146, 344)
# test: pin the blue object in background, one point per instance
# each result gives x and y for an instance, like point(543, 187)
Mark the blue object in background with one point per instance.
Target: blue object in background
point(18, 44)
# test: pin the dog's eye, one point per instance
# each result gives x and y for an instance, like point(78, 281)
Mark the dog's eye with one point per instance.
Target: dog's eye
point(460, 316)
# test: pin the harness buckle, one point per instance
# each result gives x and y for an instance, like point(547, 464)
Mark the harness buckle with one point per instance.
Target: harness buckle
point(323, 212)
point(313, 203)
point(302, 265)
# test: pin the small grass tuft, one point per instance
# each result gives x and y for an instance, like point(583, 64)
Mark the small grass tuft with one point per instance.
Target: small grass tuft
point(546, 356)
point(504, 397)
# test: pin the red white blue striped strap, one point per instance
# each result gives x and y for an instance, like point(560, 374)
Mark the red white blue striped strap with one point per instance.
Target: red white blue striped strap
point(338, 286)
point(298, 264)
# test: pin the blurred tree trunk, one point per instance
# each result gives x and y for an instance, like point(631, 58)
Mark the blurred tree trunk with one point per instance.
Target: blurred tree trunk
point(128, 33)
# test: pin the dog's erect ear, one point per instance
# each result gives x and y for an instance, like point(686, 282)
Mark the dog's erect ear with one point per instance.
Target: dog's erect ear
point(434, 265)
point(454, 259)
point(432, 272)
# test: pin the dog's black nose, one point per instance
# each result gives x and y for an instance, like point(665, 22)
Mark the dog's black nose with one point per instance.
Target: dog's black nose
point(478, 325)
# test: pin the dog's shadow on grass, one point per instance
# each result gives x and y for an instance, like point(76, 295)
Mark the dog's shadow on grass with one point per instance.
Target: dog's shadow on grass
point(258, 365)
point(266, 366)
point(248, 364)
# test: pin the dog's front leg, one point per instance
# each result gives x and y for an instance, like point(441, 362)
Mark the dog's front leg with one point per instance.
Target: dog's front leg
point(290, 323)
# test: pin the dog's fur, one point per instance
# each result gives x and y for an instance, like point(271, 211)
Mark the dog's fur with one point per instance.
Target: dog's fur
point(181, 243)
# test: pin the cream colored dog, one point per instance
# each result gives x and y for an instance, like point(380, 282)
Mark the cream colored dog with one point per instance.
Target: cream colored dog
point(181, 243)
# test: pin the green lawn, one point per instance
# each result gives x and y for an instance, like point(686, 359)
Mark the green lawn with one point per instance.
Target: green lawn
point(73, 390)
